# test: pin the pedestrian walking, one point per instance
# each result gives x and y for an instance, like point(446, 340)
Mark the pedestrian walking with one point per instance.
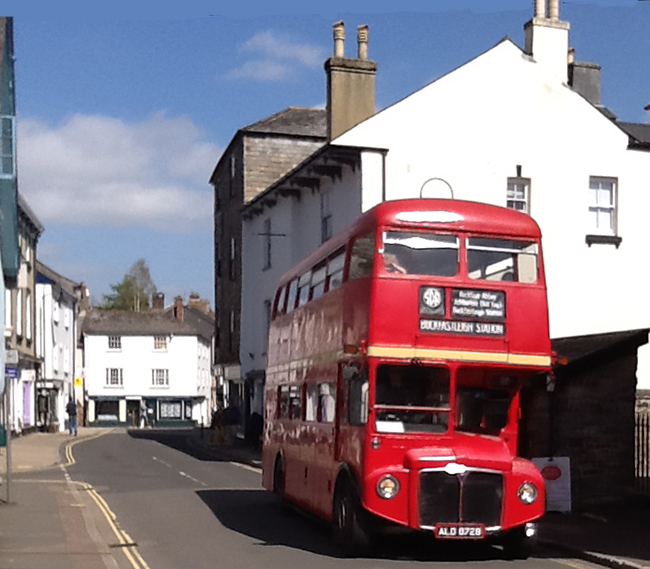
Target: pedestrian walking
point(71, 410)
point(144, 420)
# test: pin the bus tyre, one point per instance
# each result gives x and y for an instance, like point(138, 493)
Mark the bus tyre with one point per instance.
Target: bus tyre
point(279, 484)
point(516, 545)
point(349, 521)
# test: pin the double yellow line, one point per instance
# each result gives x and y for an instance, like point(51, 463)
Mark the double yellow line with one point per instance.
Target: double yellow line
point(126, 544)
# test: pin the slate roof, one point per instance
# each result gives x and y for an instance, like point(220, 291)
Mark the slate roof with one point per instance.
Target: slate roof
point(45, 275)
point(99, 322)
point(639, 133)
point(582, 349)
point(201, 322)
point(292, 121)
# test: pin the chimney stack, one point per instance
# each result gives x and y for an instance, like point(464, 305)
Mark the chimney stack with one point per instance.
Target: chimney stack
point(178, 308)
point(547, 38)
point(201, 304)
point(158, 301)
point(350, 84)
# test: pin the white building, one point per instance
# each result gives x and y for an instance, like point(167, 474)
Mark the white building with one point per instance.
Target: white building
point(145, 356)
point(56, 341)
point(514, 127)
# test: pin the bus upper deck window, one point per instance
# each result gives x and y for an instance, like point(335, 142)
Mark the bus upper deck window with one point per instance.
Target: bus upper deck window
point(293, 293)
point(363, 251)
point(502, 260)
point(335, 271)
point(303, 288)
point(420, 253)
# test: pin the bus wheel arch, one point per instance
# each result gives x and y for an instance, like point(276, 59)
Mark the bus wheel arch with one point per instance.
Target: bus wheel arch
point(279, 479)
point(350, 523)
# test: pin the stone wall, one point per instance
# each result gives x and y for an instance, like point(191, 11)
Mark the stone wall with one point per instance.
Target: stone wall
point(589, 417)
point(268, 158)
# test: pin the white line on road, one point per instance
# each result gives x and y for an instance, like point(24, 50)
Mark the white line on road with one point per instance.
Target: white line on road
point(247, 467)
point(192, 478)
point(162, 461)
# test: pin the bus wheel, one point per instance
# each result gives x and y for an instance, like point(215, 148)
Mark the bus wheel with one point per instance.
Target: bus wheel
point(279, 484)
point(349, 524)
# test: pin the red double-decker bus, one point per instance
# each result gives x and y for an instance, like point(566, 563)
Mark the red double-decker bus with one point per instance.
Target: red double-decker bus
point(396, 355)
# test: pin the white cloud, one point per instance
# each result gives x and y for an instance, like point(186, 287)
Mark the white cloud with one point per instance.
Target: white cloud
point(282, 47)
point(98, 170)
point(277, 57)
point(261, 71)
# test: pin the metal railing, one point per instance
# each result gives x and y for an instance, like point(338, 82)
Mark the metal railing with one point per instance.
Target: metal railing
point(642, 452)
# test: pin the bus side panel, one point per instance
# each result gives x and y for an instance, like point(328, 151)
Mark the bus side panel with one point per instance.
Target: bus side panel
point(356, 307)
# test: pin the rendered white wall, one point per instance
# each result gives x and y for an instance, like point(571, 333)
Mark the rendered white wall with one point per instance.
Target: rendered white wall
point(188, 374)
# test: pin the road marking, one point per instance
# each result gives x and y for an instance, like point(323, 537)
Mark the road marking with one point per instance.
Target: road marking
point(247, 467)
point(192, 478)
point(162, 461)
point(126, 544)
point(68, 447)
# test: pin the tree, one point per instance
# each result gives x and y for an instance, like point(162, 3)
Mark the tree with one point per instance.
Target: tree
point(134, 292)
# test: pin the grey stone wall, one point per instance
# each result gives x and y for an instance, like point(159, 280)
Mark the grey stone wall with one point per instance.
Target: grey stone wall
point(589, 418)
point(268, 158)
point(229, 190)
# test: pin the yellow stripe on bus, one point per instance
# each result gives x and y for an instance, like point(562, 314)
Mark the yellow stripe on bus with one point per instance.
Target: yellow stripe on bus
point(458, 355)
point(422, 353)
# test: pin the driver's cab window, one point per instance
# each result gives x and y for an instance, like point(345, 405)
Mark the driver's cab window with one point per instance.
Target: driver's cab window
point(412, 398)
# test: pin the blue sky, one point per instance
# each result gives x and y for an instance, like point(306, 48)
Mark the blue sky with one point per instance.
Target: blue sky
point(125, 108)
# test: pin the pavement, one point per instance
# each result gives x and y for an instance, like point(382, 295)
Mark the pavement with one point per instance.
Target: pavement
point(49, 521)
point(53, 522)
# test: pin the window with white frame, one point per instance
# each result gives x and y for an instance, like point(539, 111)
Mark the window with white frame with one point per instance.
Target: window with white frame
point(160, 378)
point(602, 205)
point(114, 377)
point(160, 342)
point(267, 243)
point(66, 317)
point(325, 216)
point(55, 312)
point(55, 358)
point(66, 360)
point(28, 315)
point(19, 312)
point(115, 342)
point(7, 147)
point(518, 195)
point(8, 319)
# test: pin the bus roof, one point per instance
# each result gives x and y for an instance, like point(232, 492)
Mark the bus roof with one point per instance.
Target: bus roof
point(429, 213)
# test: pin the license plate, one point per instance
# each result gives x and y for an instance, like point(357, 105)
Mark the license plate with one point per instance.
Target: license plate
point(459, 531)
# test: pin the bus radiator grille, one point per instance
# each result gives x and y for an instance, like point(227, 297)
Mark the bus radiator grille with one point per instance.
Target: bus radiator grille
point(473, 497)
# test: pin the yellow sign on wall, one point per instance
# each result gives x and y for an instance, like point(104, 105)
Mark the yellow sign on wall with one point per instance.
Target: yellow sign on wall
point(78, 382)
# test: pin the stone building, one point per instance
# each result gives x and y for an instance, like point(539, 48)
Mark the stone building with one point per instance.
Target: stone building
point(257, 156)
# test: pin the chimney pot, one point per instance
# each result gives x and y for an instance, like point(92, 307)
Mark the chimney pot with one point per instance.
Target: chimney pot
point(362, 41)
point(540, 8)
point(339, 39)
point(554, 10)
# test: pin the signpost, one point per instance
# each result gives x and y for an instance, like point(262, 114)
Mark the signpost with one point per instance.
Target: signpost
point(11, 372)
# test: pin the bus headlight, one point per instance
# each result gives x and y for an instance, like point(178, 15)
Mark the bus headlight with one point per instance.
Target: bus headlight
point(527, 493)
point(387, 487)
